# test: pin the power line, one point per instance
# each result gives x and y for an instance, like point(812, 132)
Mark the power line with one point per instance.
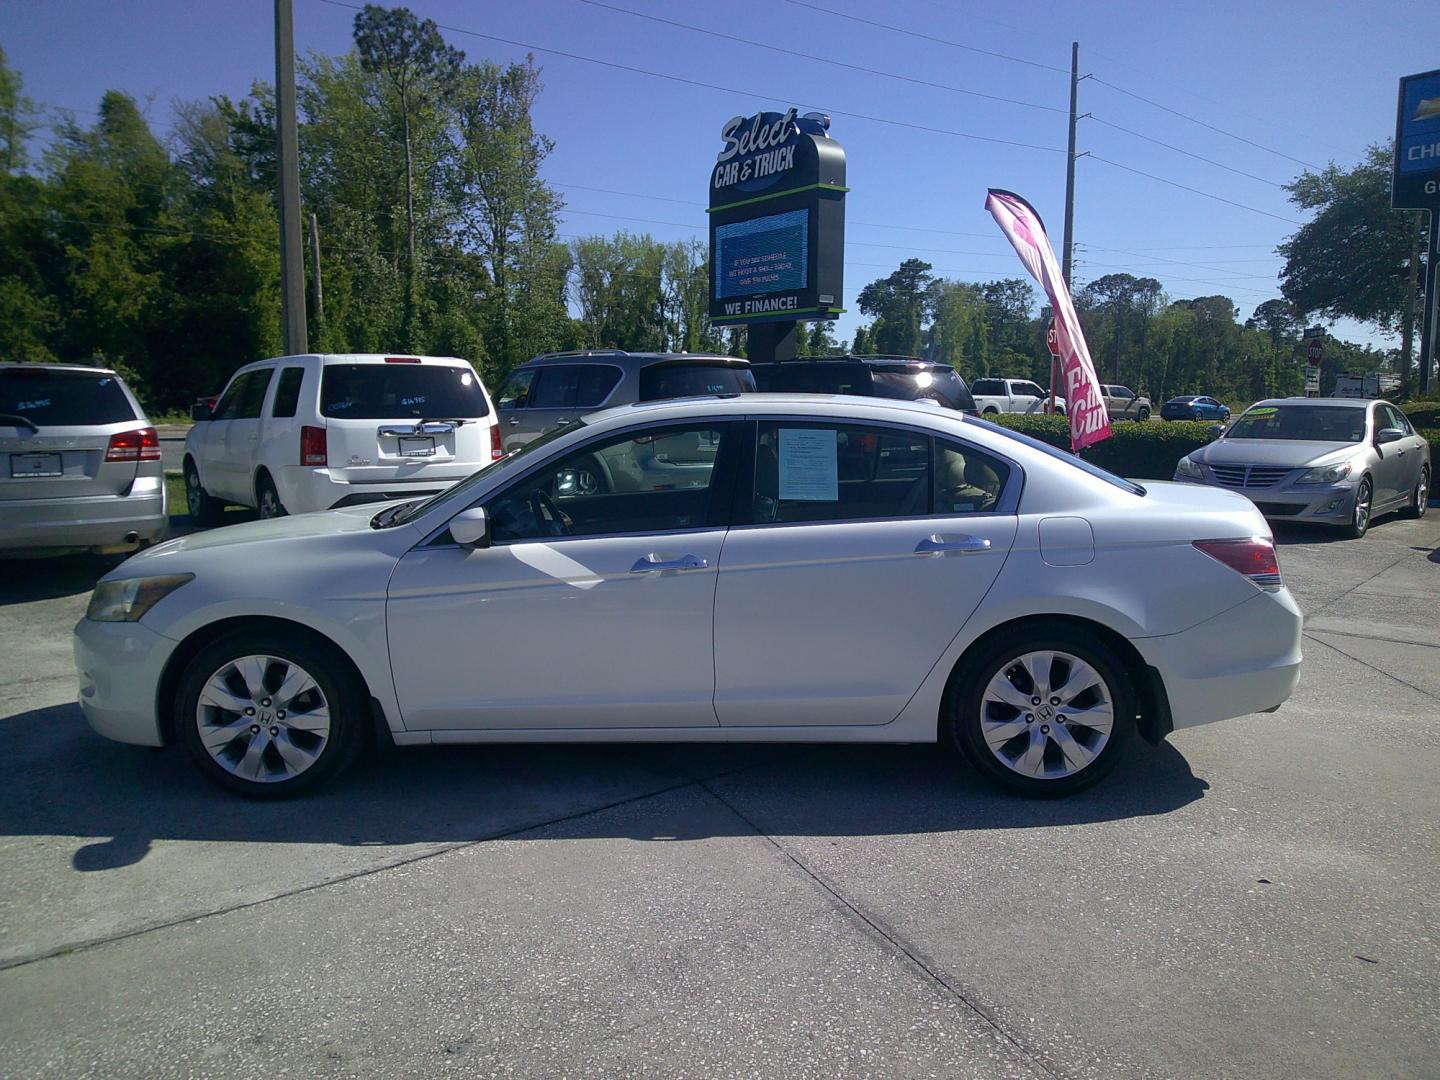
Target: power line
point(1187, 153)
point(723, 89)
point(1202, 123)
point(928, 37)
point(822, 59)
point(1196, 191)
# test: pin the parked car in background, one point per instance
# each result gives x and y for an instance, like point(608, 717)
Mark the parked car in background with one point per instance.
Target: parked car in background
point(79, 462)
point(302, 433)
point(1194, 407)
point(892, 572)
point(1122, 403)
point(555, 389)
point(904, 378)
point(993, 396)
point(1330, 461)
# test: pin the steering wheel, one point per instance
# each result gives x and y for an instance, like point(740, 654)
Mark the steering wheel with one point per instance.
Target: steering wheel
point(551, 518)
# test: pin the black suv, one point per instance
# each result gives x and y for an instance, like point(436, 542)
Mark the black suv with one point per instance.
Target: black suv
point(904, 377)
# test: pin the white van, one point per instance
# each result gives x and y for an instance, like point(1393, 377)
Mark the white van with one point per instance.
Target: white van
point(302, 433)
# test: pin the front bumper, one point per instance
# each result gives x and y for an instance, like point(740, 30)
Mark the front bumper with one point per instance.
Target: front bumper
point(119, 665)
point(96, 522)
point(1244, 660)
point(1324, 504)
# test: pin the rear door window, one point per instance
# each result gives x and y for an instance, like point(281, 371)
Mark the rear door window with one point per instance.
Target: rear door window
point(60, 398)
point(401, 391)
point(554, 388)
point(661, 381)
point(840, 472)
point(594, 383)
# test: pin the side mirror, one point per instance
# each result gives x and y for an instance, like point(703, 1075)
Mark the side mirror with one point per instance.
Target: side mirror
point(200, 412)
point(1388, 435)
point(1217, 430)
point(471, 528)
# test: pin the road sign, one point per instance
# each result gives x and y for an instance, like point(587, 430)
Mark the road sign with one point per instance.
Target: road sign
point(1312, 381)
point(1313, 332)
point(1415, 175)
point(1314, 353)
point(1052, 339)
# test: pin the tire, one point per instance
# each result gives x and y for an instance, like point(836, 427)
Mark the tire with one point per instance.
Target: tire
point(1360, 513)
point(287, 749)
point(991, 411)
point(267, 499)
point(1420, 497)
point(199, 504)
point(1143, 415)
point(982, 714)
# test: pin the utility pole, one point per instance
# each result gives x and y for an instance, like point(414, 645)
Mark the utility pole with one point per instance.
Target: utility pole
point(1432, 279)
point(292, 266)
point(1407, 326)
point(1069, 242)
point(318, 294)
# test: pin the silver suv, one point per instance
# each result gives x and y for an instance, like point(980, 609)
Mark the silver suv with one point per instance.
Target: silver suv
point(556, 389)
point(79, 463)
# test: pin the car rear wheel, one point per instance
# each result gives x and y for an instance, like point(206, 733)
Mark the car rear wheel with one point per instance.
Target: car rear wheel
point(1144, 414)
point(1041, 714)
point(268, 499)
point(1420, 497)
point(270, 715)
point(1360, 514)
point(198, 502)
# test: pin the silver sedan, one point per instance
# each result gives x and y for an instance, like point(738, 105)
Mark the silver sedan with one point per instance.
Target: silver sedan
point(1328, 461)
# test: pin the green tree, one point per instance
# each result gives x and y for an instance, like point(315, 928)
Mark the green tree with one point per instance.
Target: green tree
point(959, 335)
point(899, 304)
point(19, 119)
point(863, 345)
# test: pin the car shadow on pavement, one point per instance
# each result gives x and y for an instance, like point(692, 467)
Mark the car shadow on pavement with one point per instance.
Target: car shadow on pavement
point(66, 781)
point(25, 581)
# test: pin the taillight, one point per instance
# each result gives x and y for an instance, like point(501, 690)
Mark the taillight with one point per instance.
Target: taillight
point(1253, 557)
point(497, 446)
point(312, 446)
point(141, 445)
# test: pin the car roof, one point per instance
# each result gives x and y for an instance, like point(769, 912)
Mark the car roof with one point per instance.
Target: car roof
point(869, 360)
point(93, 370)
point(622, 358)
point(1339, 402)
point(358, 358)
point(819, 405)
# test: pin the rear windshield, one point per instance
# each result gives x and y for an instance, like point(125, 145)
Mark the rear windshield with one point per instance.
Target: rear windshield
point(1069, 459)
point(659, 381)
point(936, 384)
point(62, 398)
point(401, 392)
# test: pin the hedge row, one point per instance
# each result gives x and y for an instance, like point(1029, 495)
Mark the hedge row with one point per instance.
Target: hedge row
point(1149, 451)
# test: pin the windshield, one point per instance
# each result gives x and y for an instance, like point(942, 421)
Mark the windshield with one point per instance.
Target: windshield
point(401, 392)
point(939, 384)
point(1069, 459)
point(61, 398)
point(1301, 423)
point(660, 381)
point(402, 512)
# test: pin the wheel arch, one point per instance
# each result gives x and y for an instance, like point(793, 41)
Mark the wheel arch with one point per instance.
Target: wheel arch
point(262, 471)
point(1153, 720)
point(192, 644)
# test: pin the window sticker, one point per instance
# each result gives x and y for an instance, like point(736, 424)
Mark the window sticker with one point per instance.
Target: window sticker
point(1267, 410)
point(809, 465)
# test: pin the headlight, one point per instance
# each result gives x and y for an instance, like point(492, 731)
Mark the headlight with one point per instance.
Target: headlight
point(128, 599)
point(1326, 474)
point(1186, 467)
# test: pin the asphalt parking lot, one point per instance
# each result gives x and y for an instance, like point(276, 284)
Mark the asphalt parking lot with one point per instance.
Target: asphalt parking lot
point(1259, 897)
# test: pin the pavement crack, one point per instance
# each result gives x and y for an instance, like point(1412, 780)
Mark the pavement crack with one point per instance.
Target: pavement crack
point(1360, 584)
point(1365, 663)
point(140, 931)
point(927, 969)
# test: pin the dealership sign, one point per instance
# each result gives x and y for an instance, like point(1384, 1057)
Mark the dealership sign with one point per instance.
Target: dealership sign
point(777, 220)
point(1415, 179)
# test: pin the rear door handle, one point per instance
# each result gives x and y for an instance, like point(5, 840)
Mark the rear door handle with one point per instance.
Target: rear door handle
point(515, 421)
point(651, 565)
point(936, 544)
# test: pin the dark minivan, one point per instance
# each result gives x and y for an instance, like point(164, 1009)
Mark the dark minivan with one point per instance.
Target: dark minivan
point(905, 378)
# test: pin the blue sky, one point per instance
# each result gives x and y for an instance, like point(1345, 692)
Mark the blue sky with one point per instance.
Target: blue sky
point(1300, 82)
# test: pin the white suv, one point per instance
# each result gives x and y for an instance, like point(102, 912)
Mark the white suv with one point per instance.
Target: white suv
point(302, 433)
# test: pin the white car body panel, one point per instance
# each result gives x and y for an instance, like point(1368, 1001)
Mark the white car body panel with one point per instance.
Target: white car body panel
point(1020, 396)
point(479, 637)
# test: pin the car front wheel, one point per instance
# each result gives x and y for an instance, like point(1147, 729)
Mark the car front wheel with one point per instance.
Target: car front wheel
point(1042, 714)
point(198, 502)
point(1360, 513)
point(270, 715)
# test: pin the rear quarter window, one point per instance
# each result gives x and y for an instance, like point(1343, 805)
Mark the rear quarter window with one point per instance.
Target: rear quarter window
point(401, 392)
point(660, 381)
point(64, 398)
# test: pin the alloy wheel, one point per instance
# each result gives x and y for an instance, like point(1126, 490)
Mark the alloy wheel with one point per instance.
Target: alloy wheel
point(270, 502)
point(1362, 507)
point(263, 718)
point(1047, 714)
point(1422, 493)
point(194, 495)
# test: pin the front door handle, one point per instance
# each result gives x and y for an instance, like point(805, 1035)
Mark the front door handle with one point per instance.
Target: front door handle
point(652, 565)
point(936, 544)
point(515, 421)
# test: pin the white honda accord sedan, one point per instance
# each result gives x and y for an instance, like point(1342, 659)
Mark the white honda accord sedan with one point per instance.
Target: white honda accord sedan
point(757, 568)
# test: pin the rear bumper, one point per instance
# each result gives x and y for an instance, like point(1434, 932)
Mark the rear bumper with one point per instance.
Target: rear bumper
point(119, 666)
point(305, 490)
point(1242, 661)
point(103, 522)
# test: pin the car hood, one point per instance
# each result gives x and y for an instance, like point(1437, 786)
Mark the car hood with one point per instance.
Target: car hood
point(259, 533)
point(1285, 452)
